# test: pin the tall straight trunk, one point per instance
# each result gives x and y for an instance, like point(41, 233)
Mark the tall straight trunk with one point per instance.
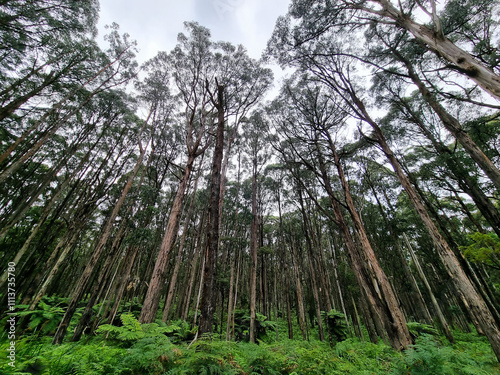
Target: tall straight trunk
point(337, 281)
point(103, 278)
point(84, 279)
point(128, 263)
point(253, 252)
point(441, 318)
point(153, 294)
point(66, 243)
point(321, 266)
point(175, 273)
point(422, 307)
point(212, 248)
point(238, 269)
point(197, 252)
point(301, 314)
point(314, 285)
point(464, 287)
point(230, 299)
point(288, 310)
point(372, 278)
point(358, 320)
point(466, 267)
point(230, 310)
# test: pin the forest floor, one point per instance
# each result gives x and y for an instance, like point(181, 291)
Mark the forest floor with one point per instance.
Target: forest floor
point(164, 349)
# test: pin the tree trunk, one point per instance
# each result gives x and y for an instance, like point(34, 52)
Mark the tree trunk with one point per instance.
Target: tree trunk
point(173, 280)
point(392, 318)
point(443, 47)
point(472, 299)
point(208, 303)
point(253, 252)
point(96, 255)
point(454, 127)
point(301, 315)
point(311, 267)
point(153, 294)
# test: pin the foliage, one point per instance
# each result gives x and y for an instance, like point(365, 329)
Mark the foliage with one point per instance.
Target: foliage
point(242, 325)
point(132, 330)
point(336, 326)
point(485, 248)
point(45, 318)
point(416, 329)
point(182, 331)
point(157, 355)
point(427, 357)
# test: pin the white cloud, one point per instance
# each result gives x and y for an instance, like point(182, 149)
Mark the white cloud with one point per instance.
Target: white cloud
point(156, 23)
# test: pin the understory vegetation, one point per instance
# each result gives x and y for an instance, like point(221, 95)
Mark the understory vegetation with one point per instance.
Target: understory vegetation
point(159, 348)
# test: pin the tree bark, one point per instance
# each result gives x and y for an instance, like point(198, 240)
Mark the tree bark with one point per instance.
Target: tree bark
point(175, 273)
point(153, 294)
point(208, 303)
point(463, 62)
point(454, 127)
point(472, 299)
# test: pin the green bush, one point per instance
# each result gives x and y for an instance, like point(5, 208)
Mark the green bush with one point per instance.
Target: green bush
point(427, 357)
point(147, 349)
point(131, 330)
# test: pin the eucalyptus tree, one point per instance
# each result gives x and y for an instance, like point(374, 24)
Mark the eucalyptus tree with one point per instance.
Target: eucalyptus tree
point(78, 208)
point(189, 64)
point(311, 117)
point(103, 119)
point(241, 83)
point(155, 96)
point(463, 35)
point(97, 253)
point(256, 131)
point(214, 82)
point(335, 73)
point(401, 64)
point(99, 71)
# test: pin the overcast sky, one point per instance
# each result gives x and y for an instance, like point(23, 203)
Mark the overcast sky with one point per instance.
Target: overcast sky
point(156, 23)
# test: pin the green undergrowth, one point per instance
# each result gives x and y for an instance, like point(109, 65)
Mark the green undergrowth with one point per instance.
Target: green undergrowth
point(160, 349)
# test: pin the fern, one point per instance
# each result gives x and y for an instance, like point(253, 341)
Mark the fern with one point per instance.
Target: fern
point(336, 326)
point(416, 329)
point(45, 318)
point(132, 330)
point(427, 357)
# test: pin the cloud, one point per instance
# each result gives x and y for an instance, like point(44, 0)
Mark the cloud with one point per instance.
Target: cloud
point(155, 24)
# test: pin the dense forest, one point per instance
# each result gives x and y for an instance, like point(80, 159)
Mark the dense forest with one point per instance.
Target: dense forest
point(172, 217)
